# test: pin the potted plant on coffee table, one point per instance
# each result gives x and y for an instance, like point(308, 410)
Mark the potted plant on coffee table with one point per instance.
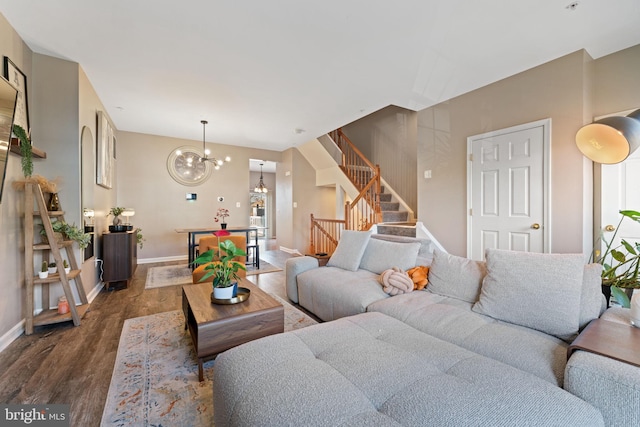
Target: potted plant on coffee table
point(223, 269)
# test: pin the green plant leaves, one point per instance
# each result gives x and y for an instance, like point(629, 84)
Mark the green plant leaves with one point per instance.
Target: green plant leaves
point(224, 271)
point(25, 151)
point(620, 296)
point(634, 215)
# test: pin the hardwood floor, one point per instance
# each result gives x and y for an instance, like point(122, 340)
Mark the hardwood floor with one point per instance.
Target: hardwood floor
point(73, 365)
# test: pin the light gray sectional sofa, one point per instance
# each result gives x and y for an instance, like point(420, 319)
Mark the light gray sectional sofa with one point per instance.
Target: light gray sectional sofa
point(484, 345)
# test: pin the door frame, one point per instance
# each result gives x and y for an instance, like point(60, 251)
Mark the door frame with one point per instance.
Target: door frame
point(546, 177)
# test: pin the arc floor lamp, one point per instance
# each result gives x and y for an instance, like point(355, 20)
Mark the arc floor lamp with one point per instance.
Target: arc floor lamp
point(610, 140)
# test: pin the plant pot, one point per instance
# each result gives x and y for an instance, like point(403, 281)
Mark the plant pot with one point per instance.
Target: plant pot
point(67, 270)
point(58, 237)
point(43, 274)
point(223, 225)
point(226, 293)
point(53, 270)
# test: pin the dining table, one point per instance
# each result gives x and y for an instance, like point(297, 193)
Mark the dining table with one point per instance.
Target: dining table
point(251, 232)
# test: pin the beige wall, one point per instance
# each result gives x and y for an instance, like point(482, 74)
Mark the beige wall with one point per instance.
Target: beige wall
point(296, 187)
point(159, 201)
point(554, 90)
point(388, 138)
point(617, 86)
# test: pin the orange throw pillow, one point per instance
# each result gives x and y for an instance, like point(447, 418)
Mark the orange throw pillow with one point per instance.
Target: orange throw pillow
point(419, 275)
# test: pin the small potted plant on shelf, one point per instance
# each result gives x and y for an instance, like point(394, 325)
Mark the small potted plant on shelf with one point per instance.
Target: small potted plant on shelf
point(70, 232)
point(53, 268)
point(220, 217)
point(224, 271)
point(44, 271)
point(65, 264)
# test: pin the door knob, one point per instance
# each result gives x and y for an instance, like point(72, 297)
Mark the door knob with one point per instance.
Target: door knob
point(609, 228)
point(535, 226)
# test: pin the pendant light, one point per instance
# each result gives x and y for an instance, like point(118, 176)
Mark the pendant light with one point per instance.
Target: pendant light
point(260, 187)
point(216, 162)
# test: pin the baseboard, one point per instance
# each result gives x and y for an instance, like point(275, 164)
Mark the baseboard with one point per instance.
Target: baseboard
point(162, 259)
point(11, 335)
point(15, 332)
point(95, 291)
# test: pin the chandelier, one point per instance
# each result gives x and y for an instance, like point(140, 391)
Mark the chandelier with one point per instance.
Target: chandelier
point(260, 187)
point(216, 162)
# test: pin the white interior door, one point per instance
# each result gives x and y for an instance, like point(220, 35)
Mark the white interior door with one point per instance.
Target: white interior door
point(507, 190)
point(619, 191)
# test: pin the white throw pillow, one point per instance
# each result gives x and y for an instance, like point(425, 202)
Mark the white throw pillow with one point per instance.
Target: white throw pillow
point(539, 291)
point(381, 255)
point(350, 250)
point(456, 277)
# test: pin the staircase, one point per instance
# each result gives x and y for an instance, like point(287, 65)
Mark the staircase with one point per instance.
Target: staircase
point(394, 221)
point(370, 207)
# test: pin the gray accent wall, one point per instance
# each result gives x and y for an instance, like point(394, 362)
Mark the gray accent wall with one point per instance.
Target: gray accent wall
point(388, 138)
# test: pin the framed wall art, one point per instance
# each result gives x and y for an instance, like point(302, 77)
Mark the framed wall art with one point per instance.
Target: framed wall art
point(104, 152)
point(18, 79)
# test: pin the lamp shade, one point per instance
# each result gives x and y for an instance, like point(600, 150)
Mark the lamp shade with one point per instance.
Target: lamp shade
point(610, 140)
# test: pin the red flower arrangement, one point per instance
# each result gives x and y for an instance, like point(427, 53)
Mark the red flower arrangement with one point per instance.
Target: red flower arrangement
point(222, 214)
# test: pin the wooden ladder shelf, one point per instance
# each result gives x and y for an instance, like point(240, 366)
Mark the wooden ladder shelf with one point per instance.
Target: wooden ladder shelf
point(33, 194)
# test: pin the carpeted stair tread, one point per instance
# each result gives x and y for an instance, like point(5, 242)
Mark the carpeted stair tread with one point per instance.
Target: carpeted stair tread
point(389, 206)
point(394, 216)
point(385, 197)
point(397, 230)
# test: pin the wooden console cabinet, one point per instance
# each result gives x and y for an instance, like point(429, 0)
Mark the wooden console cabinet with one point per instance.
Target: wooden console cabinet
point(120, 257)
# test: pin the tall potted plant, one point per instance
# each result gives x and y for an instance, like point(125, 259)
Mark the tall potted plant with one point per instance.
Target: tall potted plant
point(621, 264)
point(223, 269)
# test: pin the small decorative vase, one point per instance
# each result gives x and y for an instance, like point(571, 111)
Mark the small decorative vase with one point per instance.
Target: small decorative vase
point(54, 202)
point(223, 225)
point(63, 305)
point(225, 293)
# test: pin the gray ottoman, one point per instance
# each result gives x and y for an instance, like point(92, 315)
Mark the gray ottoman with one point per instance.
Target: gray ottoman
point(371, 369)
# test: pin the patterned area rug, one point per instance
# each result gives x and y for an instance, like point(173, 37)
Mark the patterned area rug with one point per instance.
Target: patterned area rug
point(171, 275)
point(155, 377)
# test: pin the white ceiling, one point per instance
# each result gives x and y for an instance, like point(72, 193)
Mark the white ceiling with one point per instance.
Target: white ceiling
point(260, 70)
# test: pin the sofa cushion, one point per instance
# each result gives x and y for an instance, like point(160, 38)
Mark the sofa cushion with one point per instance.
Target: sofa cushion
point(456, 277)
point(371, 369)
point(350, 249)
point(452, 320)
point(332, 292)
point(381, 255)
point(539, 291)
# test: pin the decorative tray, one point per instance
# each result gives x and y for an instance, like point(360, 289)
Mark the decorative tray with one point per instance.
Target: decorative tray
point(243, 295)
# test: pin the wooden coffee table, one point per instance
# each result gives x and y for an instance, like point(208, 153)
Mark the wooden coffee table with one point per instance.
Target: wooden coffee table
point(215, 328)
